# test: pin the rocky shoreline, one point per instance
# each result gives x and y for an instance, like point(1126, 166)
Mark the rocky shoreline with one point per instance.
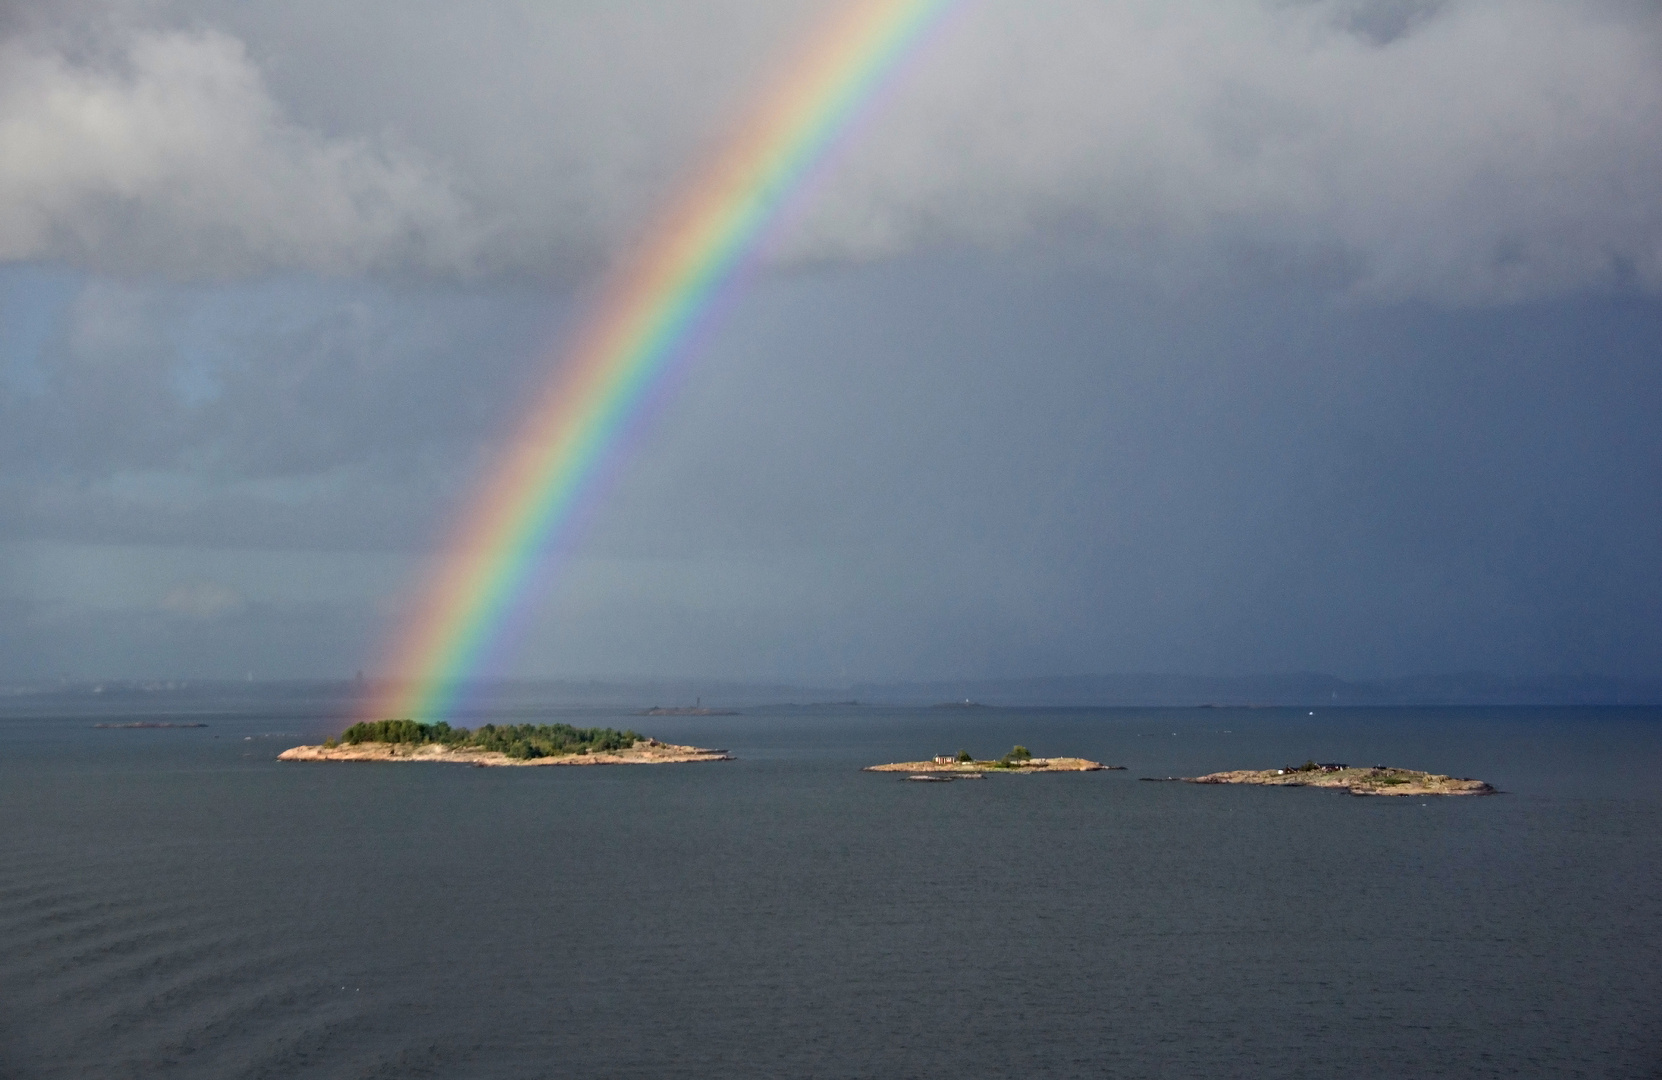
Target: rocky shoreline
point(949, 767)
point(644, 752)
point(1376, 780)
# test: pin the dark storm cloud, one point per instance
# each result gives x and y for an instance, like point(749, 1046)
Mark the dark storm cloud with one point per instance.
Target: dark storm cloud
point(940, 467)
point(1184, 336)
point(983, 471)
point(161, 414)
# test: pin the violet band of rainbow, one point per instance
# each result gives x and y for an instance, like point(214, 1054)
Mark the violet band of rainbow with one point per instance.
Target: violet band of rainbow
point(640, 326)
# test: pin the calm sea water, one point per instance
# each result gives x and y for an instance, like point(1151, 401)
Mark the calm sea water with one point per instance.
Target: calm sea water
point(175, 902)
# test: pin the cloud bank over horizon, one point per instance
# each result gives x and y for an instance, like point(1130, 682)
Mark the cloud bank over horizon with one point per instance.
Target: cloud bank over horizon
point(1463, 152)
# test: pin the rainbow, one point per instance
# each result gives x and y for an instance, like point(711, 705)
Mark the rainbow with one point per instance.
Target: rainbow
point(644, 320)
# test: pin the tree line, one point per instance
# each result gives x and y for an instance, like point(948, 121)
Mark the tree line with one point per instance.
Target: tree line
point(521, 741)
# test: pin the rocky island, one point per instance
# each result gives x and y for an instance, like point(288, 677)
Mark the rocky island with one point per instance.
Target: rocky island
point(1373, 780)
point(494, 744)
point(1018, 760)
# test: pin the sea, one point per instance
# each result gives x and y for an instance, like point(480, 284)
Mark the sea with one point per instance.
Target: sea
point(175, 902)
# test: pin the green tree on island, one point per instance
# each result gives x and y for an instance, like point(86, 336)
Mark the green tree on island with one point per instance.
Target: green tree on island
point(519, 741)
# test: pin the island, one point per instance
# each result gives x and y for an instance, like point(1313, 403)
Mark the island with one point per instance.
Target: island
point(498, 744)
point(1018, 760)
point(1372, 780)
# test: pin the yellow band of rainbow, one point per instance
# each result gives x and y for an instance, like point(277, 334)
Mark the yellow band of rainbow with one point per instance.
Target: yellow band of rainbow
point(640, 325)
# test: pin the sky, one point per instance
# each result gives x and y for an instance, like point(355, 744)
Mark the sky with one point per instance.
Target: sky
point(1213, 338)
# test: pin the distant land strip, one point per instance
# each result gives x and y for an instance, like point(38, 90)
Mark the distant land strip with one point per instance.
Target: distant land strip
point(1310, 690)
point(148, 724)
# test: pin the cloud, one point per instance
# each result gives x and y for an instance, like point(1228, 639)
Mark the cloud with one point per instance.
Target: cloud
point(1467, 151)
point(171, 156)
point(266, 378)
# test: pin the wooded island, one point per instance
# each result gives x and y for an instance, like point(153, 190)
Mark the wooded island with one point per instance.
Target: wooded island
point(497, 744)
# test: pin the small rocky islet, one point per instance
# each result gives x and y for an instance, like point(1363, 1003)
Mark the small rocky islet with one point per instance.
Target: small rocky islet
point(1368, 780)
point(962, 766)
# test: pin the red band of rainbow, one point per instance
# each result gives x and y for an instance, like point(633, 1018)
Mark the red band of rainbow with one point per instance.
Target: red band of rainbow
point(641, 324)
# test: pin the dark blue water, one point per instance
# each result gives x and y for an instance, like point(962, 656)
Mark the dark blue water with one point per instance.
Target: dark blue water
point(177, 903)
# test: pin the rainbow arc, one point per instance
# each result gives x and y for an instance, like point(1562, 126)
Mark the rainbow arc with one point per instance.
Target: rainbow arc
point(645, 320)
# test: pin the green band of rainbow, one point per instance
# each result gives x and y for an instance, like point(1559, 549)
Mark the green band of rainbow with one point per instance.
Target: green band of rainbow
point(642, 322)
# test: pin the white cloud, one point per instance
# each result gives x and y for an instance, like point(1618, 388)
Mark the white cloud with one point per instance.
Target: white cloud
point(1464, 151)
point(172, 157)
point(1482, 151)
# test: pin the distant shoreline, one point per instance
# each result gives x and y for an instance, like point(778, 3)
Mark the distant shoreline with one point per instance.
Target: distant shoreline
point(149, 724)
point(1106, 690)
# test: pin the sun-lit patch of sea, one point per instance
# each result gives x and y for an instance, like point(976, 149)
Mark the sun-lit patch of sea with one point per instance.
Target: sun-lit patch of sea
point(175, 902)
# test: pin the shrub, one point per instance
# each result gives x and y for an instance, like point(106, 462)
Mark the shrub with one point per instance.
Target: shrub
point(1016, 755)
point(387, 731)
